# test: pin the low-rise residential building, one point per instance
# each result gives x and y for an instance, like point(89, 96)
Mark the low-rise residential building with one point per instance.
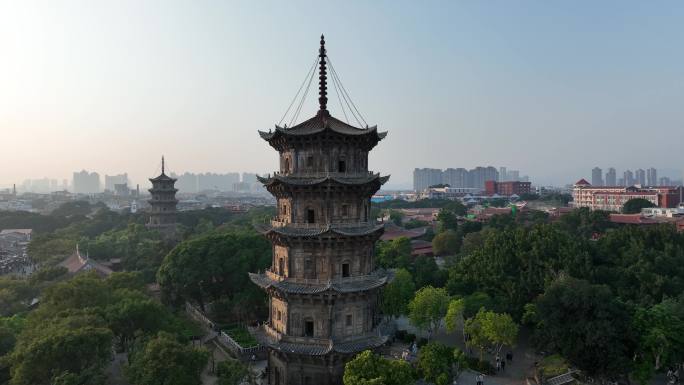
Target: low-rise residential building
point(507, 188)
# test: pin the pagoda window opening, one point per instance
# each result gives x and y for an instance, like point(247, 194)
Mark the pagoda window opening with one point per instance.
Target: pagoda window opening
point(310, 216)
point(308, 327)
point(309, 162)
point(345, 210)
point(279, 316)
point(349, 320)
point(281, 266)
point(287, 165)
point(345, 270)
point(342, 166)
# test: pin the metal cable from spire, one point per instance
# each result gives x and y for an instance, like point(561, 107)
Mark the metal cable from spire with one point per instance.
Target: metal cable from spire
point(346, 119)
point(344, 90)
point(309, 73)
point(346, 98)
point(301, 103)
point(322, 79)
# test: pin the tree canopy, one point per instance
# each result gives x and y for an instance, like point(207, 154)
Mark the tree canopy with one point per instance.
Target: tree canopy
point(634, 205)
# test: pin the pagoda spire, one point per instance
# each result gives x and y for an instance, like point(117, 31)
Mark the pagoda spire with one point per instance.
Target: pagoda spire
point(322, 79)
point(162, 164)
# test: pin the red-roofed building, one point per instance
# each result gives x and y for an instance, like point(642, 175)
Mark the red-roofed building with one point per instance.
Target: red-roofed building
point(612, 198)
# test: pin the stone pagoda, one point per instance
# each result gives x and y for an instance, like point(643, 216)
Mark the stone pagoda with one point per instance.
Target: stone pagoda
point(163, 204)
point(323, 286)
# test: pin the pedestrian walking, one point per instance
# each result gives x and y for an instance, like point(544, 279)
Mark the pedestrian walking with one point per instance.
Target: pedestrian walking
point(498, 364)
point(503, 365)
point(480, 379)
point(509, 356)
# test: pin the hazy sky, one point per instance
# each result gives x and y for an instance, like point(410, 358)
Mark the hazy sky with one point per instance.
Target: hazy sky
point(548, 87)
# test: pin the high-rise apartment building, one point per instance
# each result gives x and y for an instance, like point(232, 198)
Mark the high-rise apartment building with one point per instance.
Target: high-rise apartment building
point(86, 183)
point(640, 177)
point(597, 176)
point(111, 180)
point(628, 178)
point(503, 175)
point(611, 177)
point(455, 177)
point(652, 177)
point(426, 177)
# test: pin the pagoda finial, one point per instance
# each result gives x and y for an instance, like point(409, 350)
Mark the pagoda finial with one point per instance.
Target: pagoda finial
point(162, 164)
point(322, 79)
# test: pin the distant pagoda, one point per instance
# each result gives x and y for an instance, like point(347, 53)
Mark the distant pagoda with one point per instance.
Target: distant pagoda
point(163, 204)
point(322, 284)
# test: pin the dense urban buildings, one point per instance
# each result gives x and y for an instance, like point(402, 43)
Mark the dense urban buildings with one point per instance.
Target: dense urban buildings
point(612, 198)
point(163, 203)
point(85, 182)
point(641, 177)
point(112, 180)
point(322, 284)
point(463, 178)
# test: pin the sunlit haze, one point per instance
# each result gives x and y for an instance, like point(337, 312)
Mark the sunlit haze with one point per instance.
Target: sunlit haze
point(552, 89)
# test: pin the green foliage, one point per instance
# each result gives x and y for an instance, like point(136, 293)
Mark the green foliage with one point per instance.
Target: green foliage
point(427, 273)
point(48, 273)
point(423, 203)
point(586, 325)
point(371, 369)
point(73, 342)
point(394, 253)
point(488, 328)
point(396, 217)
point(428, 307)
point(585, 223)
point(660, 331)
point(538, 254)
point(415, 223)
point(447, 219)
point(241, 335)
point(446, 243)
point(164, 360)
point(434, 362)
point(553, 365)
point(231, 372)
point(397, 294)
point(454, 314)
point(634, 206)
point(15, 295)
point(214, 267)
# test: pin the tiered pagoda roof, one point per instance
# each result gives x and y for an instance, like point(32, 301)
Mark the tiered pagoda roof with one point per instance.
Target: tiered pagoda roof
point(353, 285)
point(342, 179)
point(321, 123)
point(323, 229)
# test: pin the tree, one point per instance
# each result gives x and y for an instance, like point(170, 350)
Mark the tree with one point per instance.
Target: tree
point(587, 326)
point(164, 360)
point(397, 294)
point(454, 315)
point(371, 369)
point(661, 337)
point(231, 372)
point(428, 307)
point(434, 361)
point(426, 272)
point(74, 342)
point(634, 206)
point(448, 220)
point(499, 328)
point(133, 312)
point(446, 243)
point(214, 266)
point(394, 253)
point(397, 217)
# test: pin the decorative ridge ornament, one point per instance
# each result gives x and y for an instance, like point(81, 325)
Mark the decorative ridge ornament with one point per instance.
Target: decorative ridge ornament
point(322, 81)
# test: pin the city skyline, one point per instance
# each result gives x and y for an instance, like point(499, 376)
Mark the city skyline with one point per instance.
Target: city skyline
point(457, 83)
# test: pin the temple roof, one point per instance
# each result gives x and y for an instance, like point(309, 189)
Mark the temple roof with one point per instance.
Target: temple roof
point(308, 181)
point(368, 342)
point(348, 285)
point(321, 122)
point(162, 177)
point(314, 231)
